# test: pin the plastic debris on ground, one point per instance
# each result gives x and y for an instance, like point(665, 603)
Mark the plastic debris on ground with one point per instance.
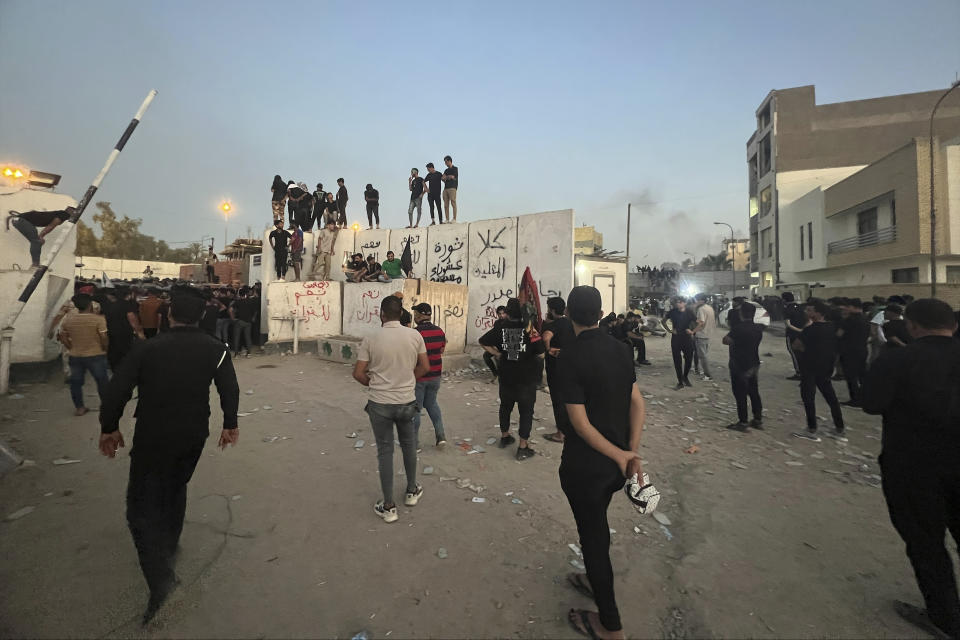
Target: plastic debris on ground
point(478, 499)
point(428, 471)
point(576, 564)
point(19, 513)
point(61, 461)
point(666, 532)
point(661, 518)
point(442, 553)
point(576, 549)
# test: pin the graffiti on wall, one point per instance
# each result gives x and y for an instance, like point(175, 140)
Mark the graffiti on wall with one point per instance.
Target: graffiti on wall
point(448, 261)
point(311, 301)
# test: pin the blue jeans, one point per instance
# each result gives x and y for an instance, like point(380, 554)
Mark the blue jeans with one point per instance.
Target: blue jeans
point(427, 399)
point(382, 419)
point(97, 366)
point(30, 233)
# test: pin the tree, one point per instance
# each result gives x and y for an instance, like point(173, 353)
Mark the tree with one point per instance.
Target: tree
point(718, 262)
point(87, 243)
point(121, 238)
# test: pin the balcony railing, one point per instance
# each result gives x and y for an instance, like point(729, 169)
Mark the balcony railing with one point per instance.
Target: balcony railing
point(869, 239)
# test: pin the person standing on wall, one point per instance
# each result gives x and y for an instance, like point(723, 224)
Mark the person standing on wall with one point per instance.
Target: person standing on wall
point(279, 239)
point(211, 259)
point(320, 206)
point(434, 180)
point(389, 363)
point(325, 247)
point(451, 178)
point(372, 196)
point(342, 198)
point(296, 249)
point(279, 198)
point(415, 183)
point(172, 374)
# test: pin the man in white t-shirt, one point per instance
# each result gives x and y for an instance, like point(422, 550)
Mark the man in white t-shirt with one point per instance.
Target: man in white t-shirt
point(389, 363)
point(706, 327)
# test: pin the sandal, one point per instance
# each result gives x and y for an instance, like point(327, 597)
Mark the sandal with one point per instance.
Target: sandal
point(554, 437)
point(579, 582)
point(586, 628)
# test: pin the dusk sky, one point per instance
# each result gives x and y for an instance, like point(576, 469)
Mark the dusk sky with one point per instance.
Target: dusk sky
point(543, 105)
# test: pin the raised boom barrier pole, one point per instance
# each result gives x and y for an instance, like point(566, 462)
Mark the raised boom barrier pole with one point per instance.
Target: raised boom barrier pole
point(6, 339)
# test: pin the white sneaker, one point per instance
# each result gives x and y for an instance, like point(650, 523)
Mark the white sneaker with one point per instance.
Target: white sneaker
point(280, 280)
point(706, 378)
point(411, 499)
point(388, 515)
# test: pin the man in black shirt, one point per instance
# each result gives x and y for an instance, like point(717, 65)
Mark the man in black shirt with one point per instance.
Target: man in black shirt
point(342, 199)
point(242, 313)
point(682, 322)
point(415, 183)
point(28, 222)
point(372, 270)
point(917, 390)
point(606, 415)
point(123, 325)
point(793, 321)
point(320, 206)
point(372, 196)
point(852, 346)
point(895, 328)
point(557, 335)
point(434, 180)
point(744, 340)
point(816, 347)
point(634, 336)
point(279, 241)
point(519, 373)
point(172, 373)
point(451, 177)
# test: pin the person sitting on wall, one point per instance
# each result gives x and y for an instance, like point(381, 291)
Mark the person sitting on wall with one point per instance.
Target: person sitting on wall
point(373, 272)
point(355, 267)
point(28, 222)
point(392, 269)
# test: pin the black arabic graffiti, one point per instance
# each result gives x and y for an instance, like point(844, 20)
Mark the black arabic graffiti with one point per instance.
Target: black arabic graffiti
point(492, 269)
point(493, 297)
point(370, 245)
point(441, 271)
point(547, 293)
point(446, 251)
point(491, 244)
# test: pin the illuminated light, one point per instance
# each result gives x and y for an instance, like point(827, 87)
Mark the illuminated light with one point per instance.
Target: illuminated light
point(8, 172)
point(690, 291)
point(18, 174)
point(355, 226)
point(225, 207)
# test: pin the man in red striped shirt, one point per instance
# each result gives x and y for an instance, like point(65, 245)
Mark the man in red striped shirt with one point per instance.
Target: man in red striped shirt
point(429, 385)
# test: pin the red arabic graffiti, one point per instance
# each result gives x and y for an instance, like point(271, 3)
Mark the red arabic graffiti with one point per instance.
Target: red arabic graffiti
point(486, 319)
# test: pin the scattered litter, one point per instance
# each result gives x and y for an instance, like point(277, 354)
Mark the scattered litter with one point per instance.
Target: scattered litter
point(243, 414)
point(267, 407)
point(576, 564)
point(738, 465)
point(427, 471)
point(472, 451)
point(352, 435)
point(491, 440)
point(48, 494)
point(612, 531)
point(516, 501)
point(442, 553)
point(269, 439)
point(363, 635)
point(478, 499)
point(817, 456)
point(19, 513)
point(811, 546)
point(60, 461)
point(28, 463)
point(463, 483)
point(661, 518)
point(358, 444)
point(794, 463)
point(16, 396)
point(309, 420)
point(666, 532)
point(286, 410)
point(273, 558)
point(249, 392)
point(576, 549)
point(289, 401)
point(236, 497)
point(508, 493)
point(833, 473)
point(791, 452)
point(692, 449)
point(479, 449)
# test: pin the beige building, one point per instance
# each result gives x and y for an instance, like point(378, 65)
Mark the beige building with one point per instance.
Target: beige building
point(738, 250)
point(586, 241)
point(831, 176)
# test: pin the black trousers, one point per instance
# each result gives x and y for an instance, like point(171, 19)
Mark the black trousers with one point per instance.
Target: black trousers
point(280, 263)
point(854, 367)
point(744, 383)
point(589, 493)
point(491, 361)
point(156, 503)
point(641, 346)
point(809, 383)
point(373, 212)
point(682, 344)
point(791, 336)
point(432, 199)
point(560, 417)
point(924, 502)
point(522, 395)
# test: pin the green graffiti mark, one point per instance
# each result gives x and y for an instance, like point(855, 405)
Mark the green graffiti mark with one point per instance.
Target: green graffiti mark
point(327, 349)
point(346, 352)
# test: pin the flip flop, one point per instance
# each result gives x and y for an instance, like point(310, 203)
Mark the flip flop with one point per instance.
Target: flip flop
point(587, 629)
point(554, 437)
point(918, 617)
point(576, 580)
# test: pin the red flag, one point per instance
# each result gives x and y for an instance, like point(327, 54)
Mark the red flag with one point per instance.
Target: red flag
point(529, 298)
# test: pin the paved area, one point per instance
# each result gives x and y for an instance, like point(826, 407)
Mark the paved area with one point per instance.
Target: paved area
point(769, 536)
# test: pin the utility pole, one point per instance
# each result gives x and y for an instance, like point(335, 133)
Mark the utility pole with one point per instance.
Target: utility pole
point(628, 246)
point(933, 206)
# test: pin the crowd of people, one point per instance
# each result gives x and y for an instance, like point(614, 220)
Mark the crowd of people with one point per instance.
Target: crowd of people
point(321, 207)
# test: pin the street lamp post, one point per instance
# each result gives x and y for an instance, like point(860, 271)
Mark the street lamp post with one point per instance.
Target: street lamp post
point(933, 207)
point(226, 208)
point(733, 262)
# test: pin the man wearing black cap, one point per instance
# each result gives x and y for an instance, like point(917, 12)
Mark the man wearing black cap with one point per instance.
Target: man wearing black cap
point(519, 373)
point(916, 388)
point(606, 411)
point(428, 385)
point(172, 373)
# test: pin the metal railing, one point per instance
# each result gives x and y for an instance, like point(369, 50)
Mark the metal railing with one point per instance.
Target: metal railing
point(869, 239)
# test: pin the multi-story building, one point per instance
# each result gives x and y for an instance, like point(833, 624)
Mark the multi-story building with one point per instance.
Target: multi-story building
point(831, 187)
point(587, 241)
point(738, 251)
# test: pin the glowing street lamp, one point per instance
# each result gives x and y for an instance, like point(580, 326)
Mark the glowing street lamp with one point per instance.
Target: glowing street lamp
point(14, 173)
point(355, 226)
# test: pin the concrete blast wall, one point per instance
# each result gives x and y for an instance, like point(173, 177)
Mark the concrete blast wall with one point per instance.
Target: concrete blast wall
point(317, 305)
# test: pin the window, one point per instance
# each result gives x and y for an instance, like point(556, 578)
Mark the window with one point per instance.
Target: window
point(906, 276)
point(765, 155)
point(809, 239)
point(801, 242)
point(763, 120)
point(765, 244)
point(893, 213)
point(867, 227)
point(953, 275)
point(766, 201)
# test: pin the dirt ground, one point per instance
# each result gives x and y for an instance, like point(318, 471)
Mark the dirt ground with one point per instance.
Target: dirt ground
point(769, 536)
